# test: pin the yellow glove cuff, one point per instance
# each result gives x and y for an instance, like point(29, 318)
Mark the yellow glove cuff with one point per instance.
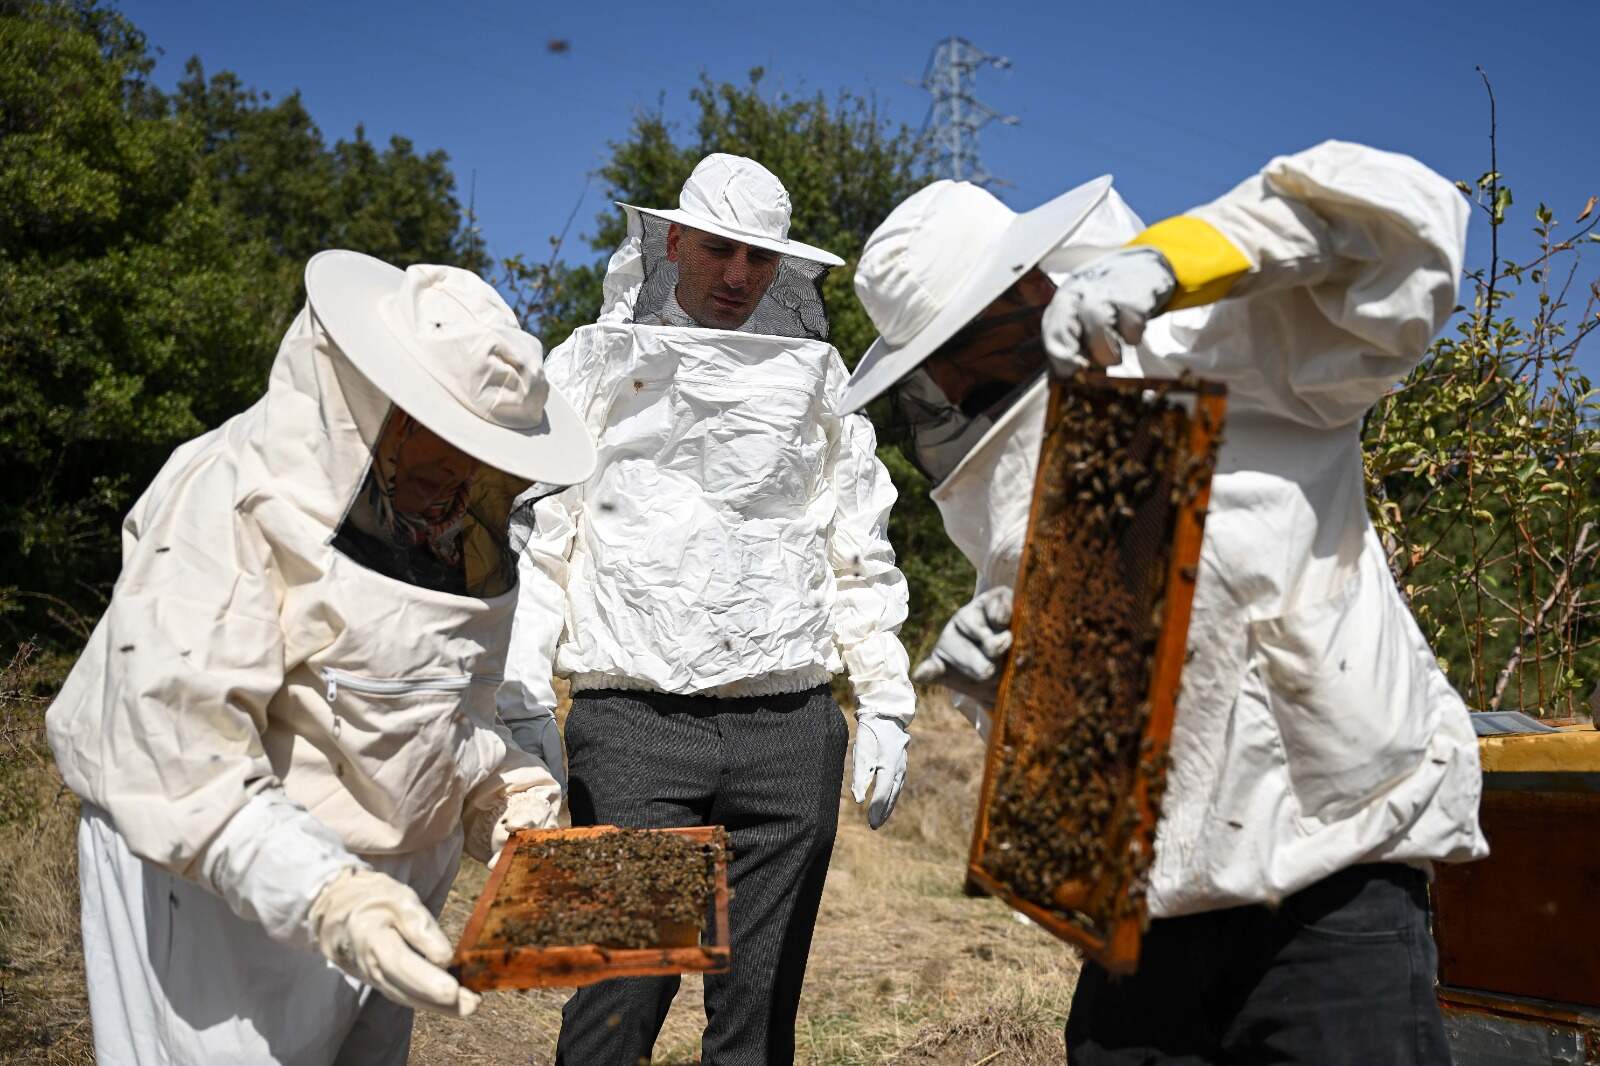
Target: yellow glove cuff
point(1207, 263)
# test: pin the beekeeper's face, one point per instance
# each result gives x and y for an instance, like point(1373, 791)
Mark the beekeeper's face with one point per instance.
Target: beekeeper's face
point(720, 281)
point(428, 470)
point(999, 349)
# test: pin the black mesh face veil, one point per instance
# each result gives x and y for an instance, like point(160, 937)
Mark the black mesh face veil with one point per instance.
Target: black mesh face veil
point(935, 434)
point(429, 516)
point(791, 307)
point(941, 410)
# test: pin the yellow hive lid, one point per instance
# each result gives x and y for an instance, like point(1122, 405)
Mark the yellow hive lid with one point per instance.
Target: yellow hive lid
point(1567, 751)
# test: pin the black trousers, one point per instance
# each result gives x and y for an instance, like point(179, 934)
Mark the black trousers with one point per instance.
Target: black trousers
point(769, 769)
point(1341, 974)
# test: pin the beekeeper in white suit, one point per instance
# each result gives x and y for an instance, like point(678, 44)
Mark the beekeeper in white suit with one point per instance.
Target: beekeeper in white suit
point(1320, 759)
point(728, 557)
point(284, 725)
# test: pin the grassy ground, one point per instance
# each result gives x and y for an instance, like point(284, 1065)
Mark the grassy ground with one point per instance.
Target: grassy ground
point(43, 1015)
point(904, 968)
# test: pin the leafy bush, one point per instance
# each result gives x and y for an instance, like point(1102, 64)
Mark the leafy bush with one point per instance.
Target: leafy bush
point(1483, 473)
point(150, 256)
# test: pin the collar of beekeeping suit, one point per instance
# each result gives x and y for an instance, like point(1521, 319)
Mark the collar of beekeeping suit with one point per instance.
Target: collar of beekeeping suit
point(947, 252)
point(741, 200)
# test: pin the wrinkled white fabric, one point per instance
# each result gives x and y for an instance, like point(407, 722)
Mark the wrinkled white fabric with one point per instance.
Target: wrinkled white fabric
point(241, 650)
point(269, 861)
point(176, 978)
point(1315, 729)
point(733, 540)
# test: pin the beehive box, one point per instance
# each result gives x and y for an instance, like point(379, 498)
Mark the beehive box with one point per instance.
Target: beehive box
point(569, 907)
point(1077, 755)
point(1522, 922)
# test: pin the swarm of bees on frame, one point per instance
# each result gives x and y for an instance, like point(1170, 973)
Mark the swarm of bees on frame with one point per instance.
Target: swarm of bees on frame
point(1063, 816)
point(617, 889)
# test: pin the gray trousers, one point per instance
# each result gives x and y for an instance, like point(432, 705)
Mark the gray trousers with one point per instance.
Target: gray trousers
point(768, 768)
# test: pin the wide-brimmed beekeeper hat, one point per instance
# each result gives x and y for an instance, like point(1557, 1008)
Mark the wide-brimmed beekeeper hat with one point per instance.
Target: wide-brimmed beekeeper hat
point(441, 344)
point(942, 256)
point(741, 200)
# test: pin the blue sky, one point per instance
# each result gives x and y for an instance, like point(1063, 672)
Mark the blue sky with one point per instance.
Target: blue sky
point(1178, 101)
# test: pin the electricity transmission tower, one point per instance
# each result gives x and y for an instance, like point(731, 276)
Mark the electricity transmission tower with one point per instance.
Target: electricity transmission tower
point(955, 116)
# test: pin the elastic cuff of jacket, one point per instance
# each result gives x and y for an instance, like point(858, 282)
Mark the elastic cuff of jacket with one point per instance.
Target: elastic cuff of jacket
point(1206, 263)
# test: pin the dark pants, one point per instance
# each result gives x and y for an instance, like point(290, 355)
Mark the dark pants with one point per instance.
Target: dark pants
point(769, 769)
point(1341, 974)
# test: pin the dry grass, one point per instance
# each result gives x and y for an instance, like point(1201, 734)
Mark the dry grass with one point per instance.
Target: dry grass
point(43, 1010)
point(904, 970)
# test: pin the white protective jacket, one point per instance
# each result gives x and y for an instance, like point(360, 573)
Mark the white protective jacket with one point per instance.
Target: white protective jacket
point(733, 539)
point(1315, 728)
point(255, 711)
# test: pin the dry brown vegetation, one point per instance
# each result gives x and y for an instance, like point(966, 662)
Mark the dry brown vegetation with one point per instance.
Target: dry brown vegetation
point(43, 1014)
point(904, 970)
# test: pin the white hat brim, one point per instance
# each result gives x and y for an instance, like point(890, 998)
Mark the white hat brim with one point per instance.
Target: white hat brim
point(798, 249)
point(344, 289)
point(1026, 240)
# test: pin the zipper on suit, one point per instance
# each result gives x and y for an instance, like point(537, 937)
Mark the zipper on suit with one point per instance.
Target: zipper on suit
point(400, 686)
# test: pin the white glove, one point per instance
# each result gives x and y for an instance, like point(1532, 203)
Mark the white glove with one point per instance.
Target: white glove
point(880, 764)
point(1112, 297)
point(968, 654)
point(541, 738)
point(530, 806)
point(376, 930)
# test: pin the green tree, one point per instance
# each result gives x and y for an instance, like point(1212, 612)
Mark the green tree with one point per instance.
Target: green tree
point(150, 257)
point(272, 174)
point(1483, 471)
point(846, 168)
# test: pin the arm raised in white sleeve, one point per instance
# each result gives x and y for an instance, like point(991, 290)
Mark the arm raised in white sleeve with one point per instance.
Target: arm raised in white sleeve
point(1333, 267)
point(872, 596)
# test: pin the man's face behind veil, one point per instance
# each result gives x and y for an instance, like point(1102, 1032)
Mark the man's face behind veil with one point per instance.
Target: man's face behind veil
point(720, 281)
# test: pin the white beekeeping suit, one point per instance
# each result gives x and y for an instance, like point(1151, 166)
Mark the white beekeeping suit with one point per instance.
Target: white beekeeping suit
point(726, 559)
point(734, 539)
point(734, 545)
point(1315, 729)
point(288, 696)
